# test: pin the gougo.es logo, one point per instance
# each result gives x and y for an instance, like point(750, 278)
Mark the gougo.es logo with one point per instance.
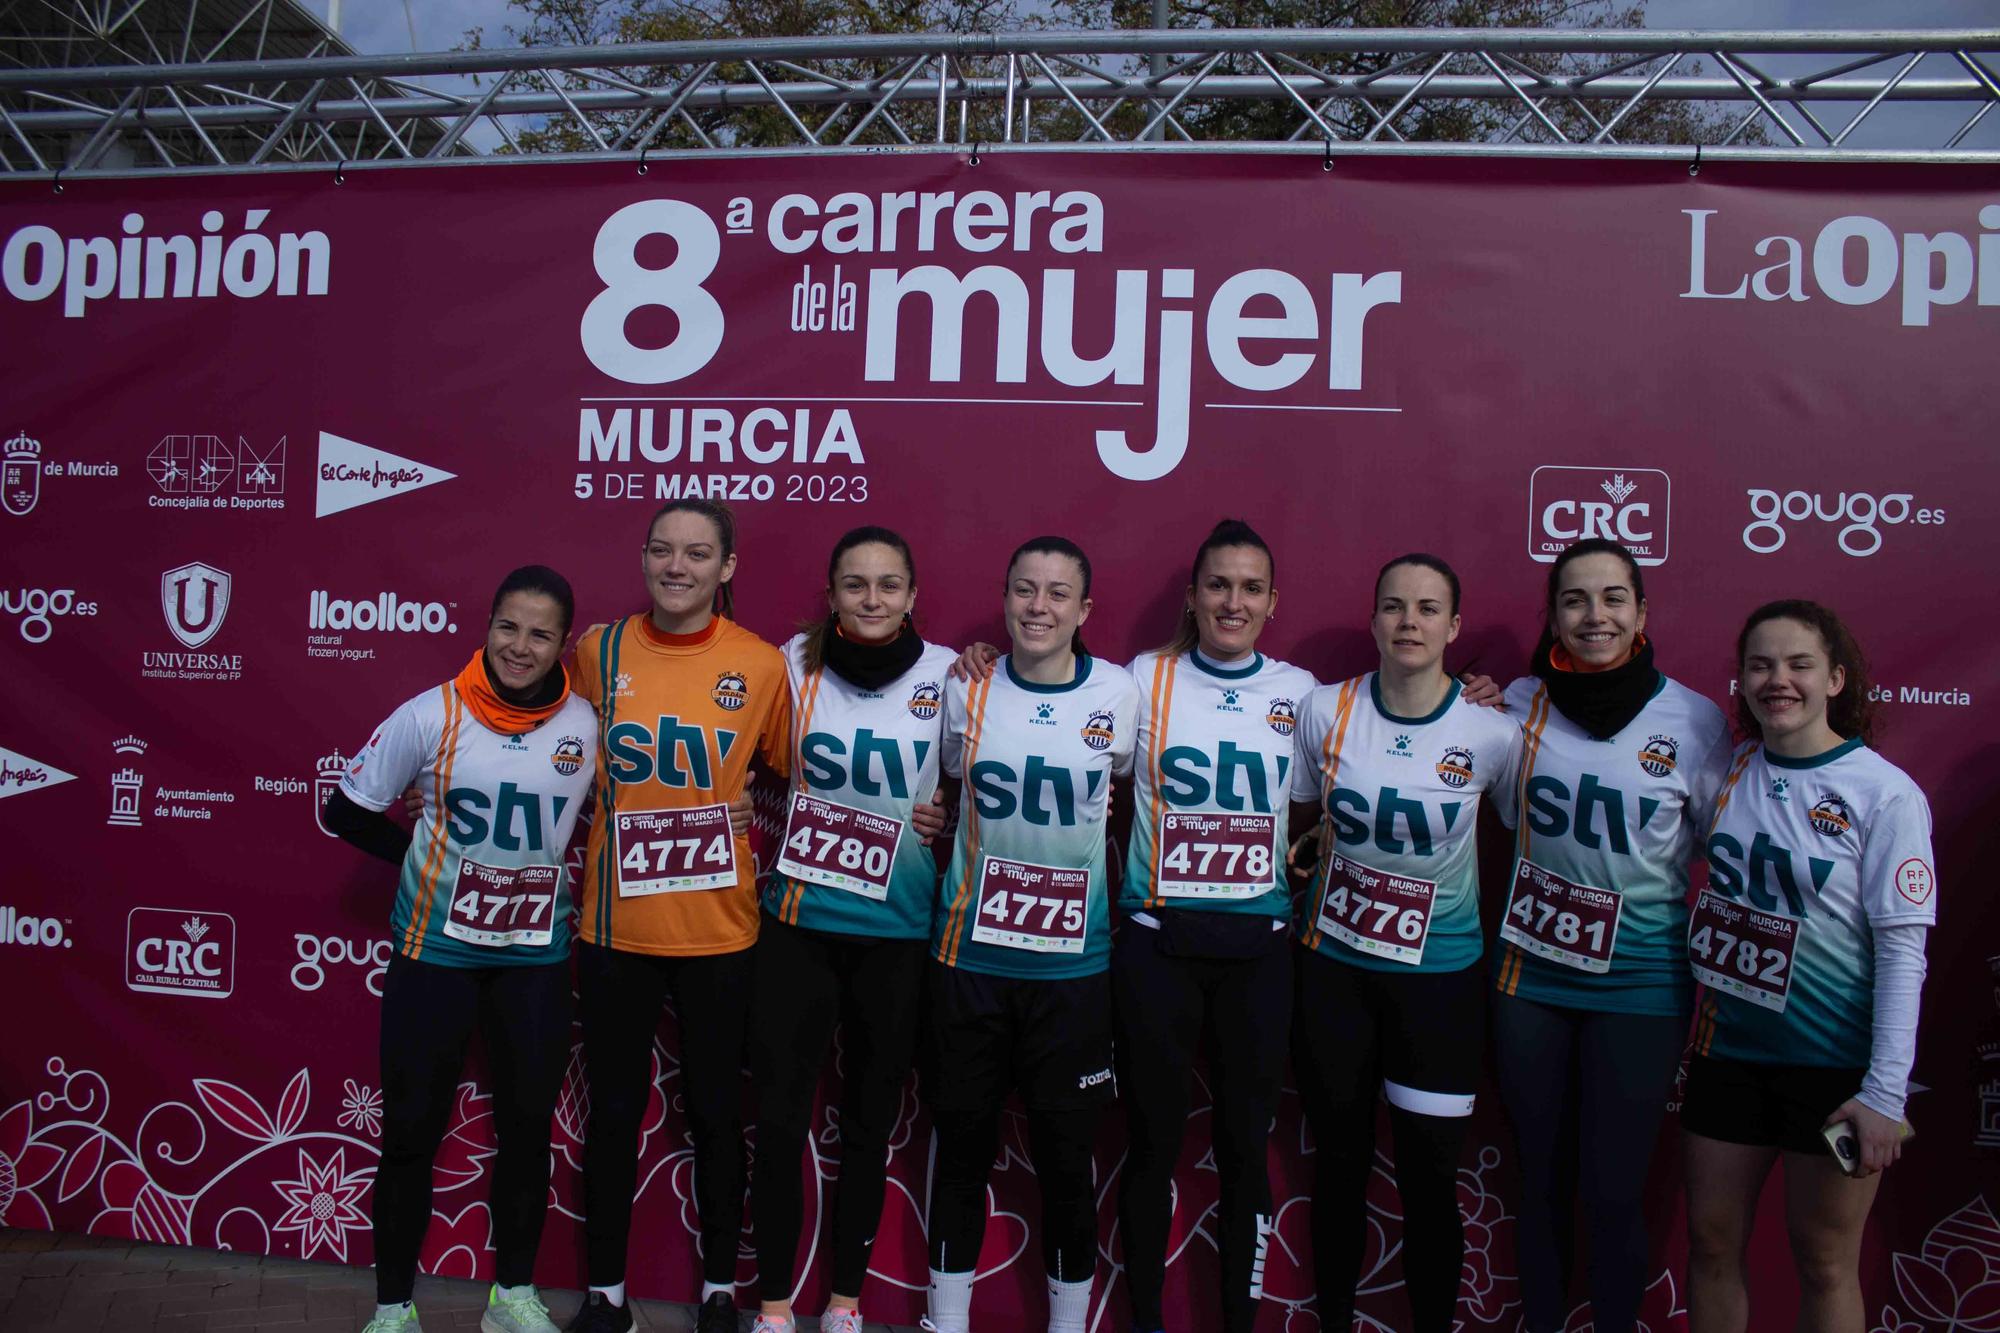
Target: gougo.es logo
point(317, 953)
point(39, 607)
point(1862, 517)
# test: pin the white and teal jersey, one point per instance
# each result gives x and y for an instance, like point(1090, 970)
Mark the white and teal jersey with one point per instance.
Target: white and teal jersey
point(873, 751)
point(1397, 885)
point(1832, 846)
point(1619, 819)
point(1214, 763)
point(1025, 893)
point(484, 883)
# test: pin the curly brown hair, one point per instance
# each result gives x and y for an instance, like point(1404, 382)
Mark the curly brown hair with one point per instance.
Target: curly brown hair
point(1850, 713)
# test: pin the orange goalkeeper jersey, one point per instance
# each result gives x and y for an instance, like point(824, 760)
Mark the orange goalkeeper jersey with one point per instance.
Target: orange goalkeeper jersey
point(679, 718)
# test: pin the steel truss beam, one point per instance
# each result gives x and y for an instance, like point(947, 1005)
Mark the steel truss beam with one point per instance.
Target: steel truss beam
point(1530, 91)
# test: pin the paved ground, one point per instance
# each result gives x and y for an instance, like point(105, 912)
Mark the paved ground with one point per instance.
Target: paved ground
point(55, 1283)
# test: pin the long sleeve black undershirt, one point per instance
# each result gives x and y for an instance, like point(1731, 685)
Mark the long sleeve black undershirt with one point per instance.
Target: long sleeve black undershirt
point(370, 830)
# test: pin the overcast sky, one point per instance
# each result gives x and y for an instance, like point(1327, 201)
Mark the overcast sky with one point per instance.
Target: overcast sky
point(395, 26)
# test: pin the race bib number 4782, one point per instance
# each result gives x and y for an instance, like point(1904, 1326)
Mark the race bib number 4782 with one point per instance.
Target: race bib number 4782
point(1740, 951)
point(674, 851)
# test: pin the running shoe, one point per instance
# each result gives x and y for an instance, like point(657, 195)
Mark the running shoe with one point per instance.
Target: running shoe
point(840, 1321)
point(403, 1320)
point(599, 1315)
point(515, 1314)
point(717, 1314)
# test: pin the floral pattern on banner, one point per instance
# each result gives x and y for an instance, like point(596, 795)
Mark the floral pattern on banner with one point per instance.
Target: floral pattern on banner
point(1953, 1280)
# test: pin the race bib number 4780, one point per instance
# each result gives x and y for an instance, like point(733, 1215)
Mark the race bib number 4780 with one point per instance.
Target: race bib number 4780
point(1551, 917)
point(838, 846)
point(674, 851)
point(1025, 906)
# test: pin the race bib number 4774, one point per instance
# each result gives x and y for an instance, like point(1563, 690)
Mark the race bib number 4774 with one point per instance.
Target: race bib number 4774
point(674, 851)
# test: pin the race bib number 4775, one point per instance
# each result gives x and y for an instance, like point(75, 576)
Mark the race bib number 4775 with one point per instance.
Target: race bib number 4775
point(1568, 923)
point(674, 851)
point(1025, 906)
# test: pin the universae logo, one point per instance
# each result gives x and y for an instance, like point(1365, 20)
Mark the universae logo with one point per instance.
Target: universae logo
point(1630, 505)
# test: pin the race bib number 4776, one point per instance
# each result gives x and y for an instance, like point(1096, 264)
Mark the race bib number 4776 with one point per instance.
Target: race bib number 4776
point(674, 851)
point(1568, 923)
point(1374, 912)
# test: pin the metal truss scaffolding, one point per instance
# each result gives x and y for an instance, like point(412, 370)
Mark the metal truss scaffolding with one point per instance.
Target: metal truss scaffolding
point(1342, 91)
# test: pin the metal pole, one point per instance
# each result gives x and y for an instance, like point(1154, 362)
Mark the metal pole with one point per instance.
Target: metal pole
point(1158, 62)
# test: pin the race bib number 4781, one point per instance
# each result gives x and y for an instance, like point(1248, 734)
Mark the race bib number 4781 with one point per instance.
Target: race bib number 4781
point(1568, 923)
point(674, 851)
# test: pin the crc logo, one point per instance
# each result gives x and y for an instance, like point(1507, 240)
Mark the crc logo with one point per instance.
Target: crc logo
point(174, 952)
point(194, 598)
point(317, 953)
point(34, 932)
point(38, 608)
point(1858, 512)
point(1630, 505)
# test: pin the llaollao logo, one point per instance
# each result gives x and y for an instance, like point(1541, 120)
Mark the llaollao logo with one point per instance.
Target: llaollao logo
point(1281, 716)
point(1659, 755)
point(1455, 768)
point(925, 700)
point(731, 691)
point(1100, 730)
point(568, 756)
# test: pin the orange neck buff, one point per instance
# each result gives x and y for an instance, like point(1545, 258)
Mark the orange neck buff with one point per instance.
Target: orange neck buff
point(496, 714)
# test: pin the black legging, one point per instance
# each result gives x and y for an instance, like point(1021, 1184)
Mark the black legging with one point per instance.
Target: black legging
point(1059, 1143)
point(621, 995)
point(1163, 1003)
point(428, 1014)
point(1586, 1092)
point(806, 981)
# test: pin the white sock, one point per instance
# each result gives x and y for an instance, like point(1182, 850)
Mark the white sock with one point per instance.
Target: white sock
point(1069, 1306)
point(709, 1290)
point(615, 1293)
point(515, 1293)
point(951, 1302)
point(396, 1308)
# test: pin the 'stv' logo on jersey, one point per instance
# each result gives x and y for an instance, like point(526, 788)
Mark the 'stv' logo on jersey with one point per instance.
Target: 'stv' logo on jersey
point(1659, 755)
point(1100, 731)
point(175, 952)
point(1281, 716)
point(21, 475)
point(194, 598)
point(18, 774)
point(731, 691)
point(925, 700)
point(353, 474)
point(1831, 816)
point(568, 756)
point(326, 781)
point(1455, 769)
point(1628, 504)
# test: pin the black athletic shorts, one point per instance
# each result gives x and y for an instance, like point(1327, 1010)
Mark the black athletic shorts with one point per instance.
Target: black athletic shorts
point(1764, 1106)
point(1423, 1034)
point(986, 1036)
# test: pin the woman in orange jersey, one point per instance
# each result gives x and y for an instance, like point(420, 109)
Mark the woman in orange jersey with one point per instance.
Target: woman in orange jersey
point(686, 700)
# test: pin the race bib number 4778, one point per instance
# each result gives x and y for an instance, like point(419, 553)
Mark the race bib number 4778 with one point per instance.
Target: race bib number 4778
point(674, 851)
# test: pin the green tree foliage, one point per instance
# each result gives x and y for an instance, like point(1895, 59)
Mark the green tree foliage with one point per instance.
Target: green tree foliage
point(590, 22)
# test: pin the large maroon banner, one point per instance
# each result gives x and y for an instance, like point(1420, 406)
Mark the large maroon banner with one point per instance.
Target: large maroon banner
point(272, 440)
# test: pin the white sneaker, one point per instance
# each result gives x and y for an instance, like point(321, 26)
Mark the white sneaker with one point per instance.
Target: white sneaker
point(840, 1321)
point(403, 1319)
point(515, 1314)
point(770, 1323)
